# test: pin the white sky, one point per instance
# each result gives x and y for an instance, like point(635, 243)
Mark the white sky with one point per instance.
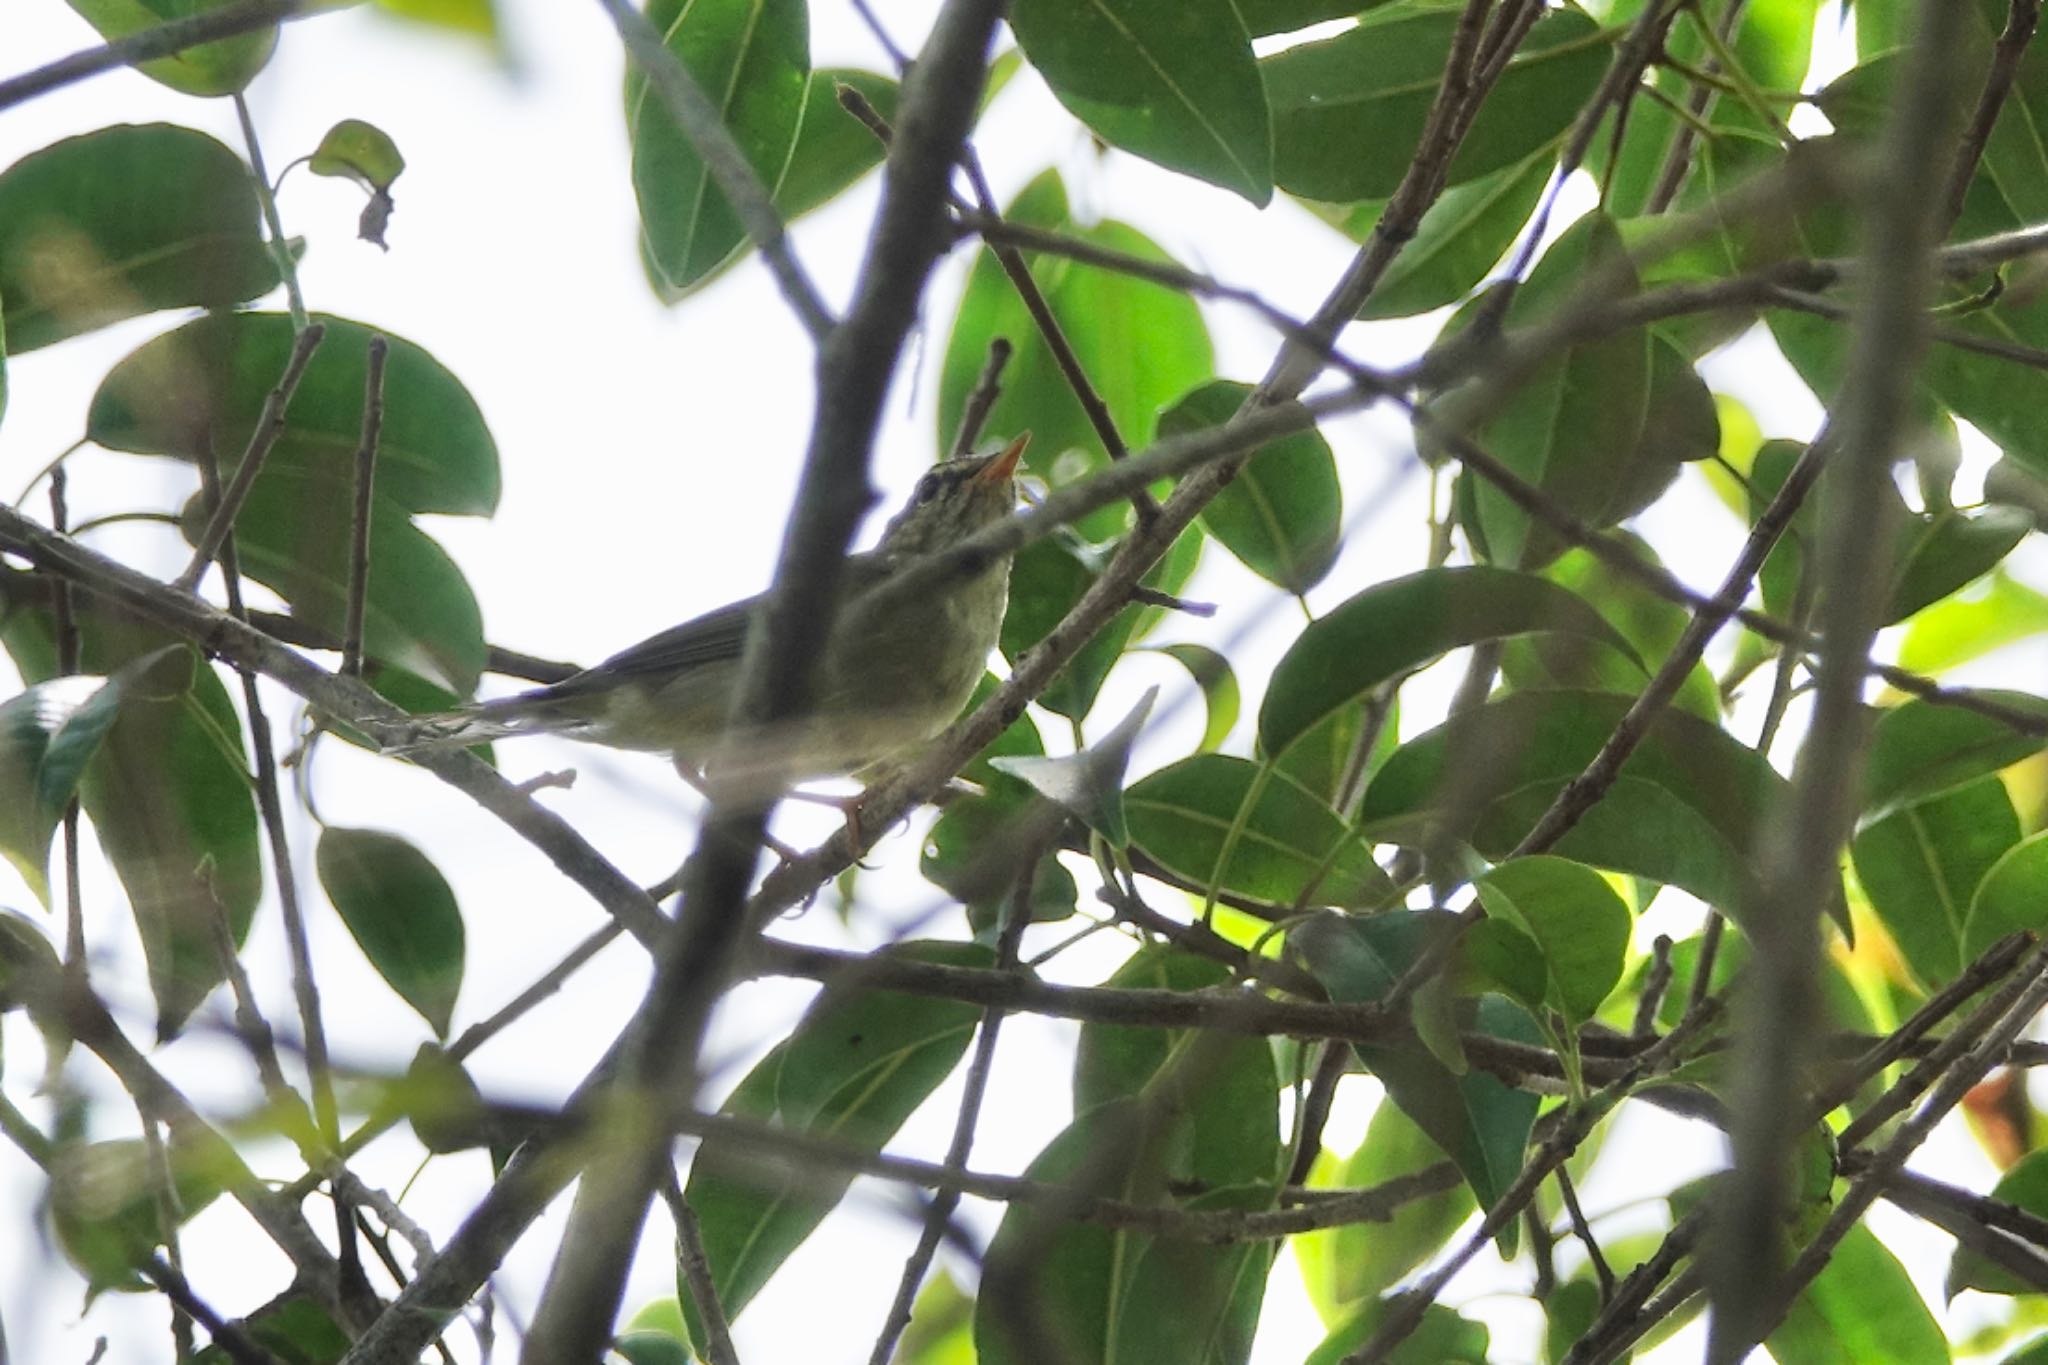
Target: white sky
point(649, 454)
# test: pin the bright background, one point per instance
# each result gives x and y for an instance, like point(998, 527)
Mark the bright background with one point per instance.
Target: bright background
point(649, 456)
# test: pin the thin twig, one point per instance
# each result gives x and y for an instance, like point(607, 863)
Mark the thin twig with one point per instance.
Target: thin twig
point(2021, 19)
point(981, 399)
point(270, 423)
point(280, 249)
point(359, 525)
point(695, 1264)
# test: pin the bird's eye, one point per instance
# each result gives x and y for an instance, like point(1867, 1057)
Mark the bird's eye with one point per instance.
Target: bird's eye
point(928, 487)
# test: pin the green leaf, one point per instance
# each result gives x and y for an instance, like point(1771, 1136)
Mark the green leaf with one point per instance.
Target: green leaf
point(169, 797)
point(419, 613)
point(858, 1063)
point(1212, 673)
point(124, 221)
point(1971, 624)
point(2024, 1185)
point(1651, 623)
point(48, 735)
point(1172, 81)
point(1141, 344)
point(1265, 17)
point(1288, 844)
point(1575, 427)
point(358, 151)
point(1324, 759)
point(1685, 810)
point(1480, 1123)
point(833, 148)
point(1463, 236)
point(752, 58)
point(207, 381)
point(1861, 1307)
point(1921, 865)
point(1088, 784)
point(402, 913)
point(2012, 896)
point(294, 1328)
point(105, 1212)
point(1154, 1128)
point(473, 18)
point(1943, 552)
point(1395, 627)
point(974, 853)
point(1921, 749)
point(1343, 1265)
point(1577, 921)
point(1283, 513)
point(221, 67)
point(1348, 112)
point(1443, 1337)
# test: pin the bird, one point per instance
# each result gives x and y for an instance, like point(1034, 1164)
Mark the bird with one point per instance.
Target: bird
point(894, 670)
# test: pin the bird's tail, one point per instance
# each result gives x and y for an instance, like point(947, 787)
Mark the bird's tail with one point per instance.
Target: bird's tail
point(529, 713)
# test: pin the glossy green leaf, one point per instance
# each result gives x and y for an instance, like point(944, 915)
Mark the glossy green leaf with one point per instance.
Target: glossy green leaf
point(1325, 760)
point(49, 733)
point(124, 221)
point(1213, 675)
point(752, 58)
point(170, 800)
point(1685, 811)
point(2000, 612)
point(207, 381)
point(1343, 1265)
point(1265, 17)
point(1283, 514)
point(402, 913)
point(1577, 921)
point(1480, 1123)
point(1461, 238)
point(1289, 845)
point(1141, 344)
point(1651, 623)
point(859, 1062)
point(221, 67)
point(1172, 81)
point(1395, 627)
point(1861, 1307)
point(1153, 1129)
point(1921, 866)
point(833, 148)
point(1089, 784)
point(2026, 1186)
point(2013, 896)
point(974, 853)
point(1919, 749)
point(1349, 111)
point(1945, 551)
point(419, 613)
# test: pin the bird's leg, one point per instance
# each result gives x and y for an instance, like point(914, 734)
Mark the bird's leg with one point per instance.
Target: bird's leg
point(696, 782)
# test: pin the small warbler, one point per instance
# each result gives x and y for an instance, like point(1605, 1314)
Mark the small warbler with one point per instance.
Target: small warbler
point(892, 674)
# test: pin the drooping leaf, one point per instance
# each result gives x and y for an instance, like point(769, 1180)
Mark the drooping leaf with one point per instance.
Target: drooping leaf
point(169, 797)
point(1141, 344)
point(859, 1062)
point(355, 150)
point(221, 67)
point(1920, 749)
point(1862, 1306)
point(49, 734)
point(1685, 810)
point(207, 382)
point(1218, 683)
point(1921, 865)
point(123, 221)
point(1283, 513)
point(752, 58)
point(1397, 626)
point(1173, 82)
point(1348, 111)
point(1287, 844)
point(1480, 1123)
point(1946, 550)
point(402, 913)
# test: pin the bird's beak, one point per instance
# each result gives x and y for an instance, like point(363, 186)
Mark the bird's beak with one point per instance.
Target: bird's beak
point(1003, 466)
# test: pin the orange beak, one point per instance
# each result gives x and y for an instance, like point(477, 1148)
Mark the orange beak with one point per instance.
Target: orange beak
point(1003, 466)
